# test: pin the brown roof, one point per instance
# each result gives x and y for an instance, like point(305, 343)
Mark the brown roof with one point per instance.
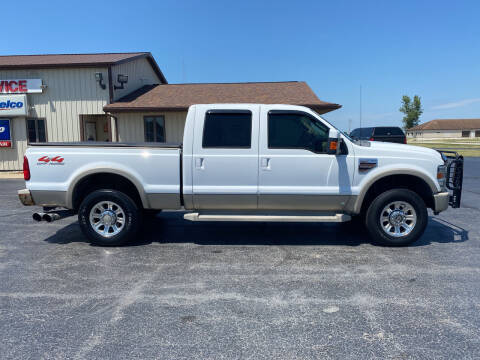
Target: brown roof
point(74, 60)
point(449, 124)
point(180, 96)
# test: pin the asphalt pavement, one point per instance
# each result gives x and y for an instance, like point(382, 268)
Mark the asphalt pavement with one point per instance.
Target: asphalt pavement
point(239, 290)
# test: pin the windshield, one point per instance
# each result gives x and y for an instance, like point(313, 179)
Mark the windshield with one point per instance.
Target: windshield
point(340, 131)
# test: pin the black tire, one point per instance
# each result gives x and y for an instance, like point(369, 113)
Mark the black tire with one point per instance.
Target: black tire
point(132, 218)
point(374, 212)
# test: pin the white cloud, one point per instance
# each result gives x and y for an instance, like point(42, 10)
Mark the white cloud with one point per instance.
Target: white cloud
point(456, 104)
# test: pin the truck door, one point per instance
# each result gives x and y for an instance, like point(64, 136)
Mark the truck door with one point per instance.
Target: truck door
point(295, 171)
point(225, 157)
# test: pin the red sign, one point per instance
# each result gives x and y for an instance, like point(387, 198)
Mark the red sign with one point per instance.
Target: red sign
point(21, 86)
point(6, 143)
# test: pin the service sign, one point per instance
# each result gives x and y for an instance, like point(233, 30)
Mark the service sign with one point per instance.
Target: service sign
point(13, 105)
point(21, 86)
point(5, 133)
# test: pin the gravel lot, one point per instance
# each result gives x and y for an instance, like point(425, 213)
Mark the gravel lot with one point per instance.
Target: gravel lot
point(248, 290)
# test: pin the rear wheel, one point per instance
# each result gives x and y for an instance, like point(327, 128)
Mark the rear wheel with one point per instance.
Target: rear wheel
point(109, 218)
point(396, 217)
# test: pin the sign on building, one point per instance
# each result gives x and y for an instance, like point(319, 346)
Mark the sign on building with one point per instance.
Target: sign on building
point(13, 105)
point(5, 133)
point(21, 86)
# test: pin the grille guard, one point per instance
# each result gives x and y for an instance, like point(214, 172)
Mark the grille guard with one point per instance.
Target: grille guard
point(454, 180)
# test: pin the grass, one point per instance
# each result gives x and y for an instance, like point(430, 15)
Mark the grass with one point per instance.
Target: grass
point(464, 146)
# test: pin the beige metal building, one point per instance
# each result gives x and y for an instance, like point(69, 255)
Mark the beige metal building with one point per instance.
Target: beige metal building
point(111, 97)
point(446, 128)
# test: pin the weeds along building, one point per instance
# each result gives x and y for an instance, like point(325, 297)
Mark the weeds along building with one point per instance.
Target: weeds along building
point(112, 97)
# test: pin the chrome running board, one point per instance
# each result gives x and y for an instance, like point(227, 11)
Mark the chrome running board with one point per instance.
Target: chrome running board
point(266, 217)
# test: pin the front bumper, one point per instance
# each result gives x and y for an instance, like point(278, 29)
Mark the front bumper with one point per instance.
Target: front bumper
point(441, 201)
point(25, 197)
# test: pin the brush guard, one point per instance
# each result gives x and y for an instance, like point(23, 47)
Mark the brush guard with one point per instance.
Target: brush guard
point(454, 180)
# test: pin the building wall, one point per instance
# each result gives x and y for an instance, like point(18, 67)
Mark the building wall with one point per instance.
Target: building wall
point(69, 93)
point(131, 126)
point(431, 134)
point(441, 134)
point(139, 72)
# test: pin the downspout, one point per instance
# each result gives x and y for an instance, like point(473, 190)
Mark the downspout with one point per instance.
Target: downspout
point(115, 136)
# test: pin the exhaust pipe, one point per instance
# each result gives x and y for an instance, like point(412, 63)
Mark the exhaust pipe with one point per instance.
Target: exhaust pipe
point(38, 216)
point(52, 216)
point(49, 217)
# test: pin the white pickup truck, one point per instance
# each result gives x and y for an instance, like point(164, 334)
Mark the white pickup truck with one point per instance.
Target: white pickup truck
point(245, 162)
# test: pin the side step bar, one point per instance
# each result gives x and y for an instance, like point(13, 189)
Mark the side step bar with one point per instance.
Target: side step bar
point(269, 218)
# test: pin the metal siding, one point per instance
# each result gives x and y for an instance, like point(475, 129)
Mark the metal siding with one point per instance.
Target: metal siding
point(69, 93)
point(131, 127)
point(139, 72)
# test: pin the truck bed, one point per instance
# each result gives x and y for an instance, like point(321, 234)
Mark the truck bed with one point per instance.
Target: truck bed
point(110, 144)
point(57, 168)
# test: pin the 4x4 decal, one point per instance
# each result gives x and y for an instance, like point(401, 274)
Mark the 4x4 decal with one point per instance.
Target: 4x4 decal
point(56, 160)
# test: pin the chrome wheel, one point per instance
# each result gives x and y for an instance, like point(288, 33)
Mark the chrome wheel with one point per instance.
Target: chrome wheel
point(107, 218)
point(398, 219)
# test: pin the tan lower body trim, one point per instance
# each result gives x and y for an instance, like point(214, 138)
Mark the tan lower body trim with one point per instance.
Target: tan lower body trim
point(49, 198)
point(303, 202)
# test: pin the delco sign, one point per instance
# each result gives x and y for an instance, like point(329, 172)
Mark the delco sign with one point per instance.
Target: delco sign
point(13, 105)
point(5, 133)
point(21, 86)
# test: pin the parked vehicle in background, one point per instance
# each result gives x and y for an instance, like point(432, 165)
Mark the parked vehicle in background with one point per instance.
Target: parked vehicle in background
point(380, 133)
point(245, 162)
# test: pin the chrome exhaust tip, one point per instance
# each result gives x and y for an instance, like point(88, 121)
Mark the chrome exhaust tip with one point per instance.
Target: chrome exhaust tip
point(38, 216)
point(49, 217)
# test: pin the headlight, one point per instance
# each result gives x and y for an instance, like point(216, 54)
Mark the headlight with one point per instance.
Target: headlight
point(442, 176)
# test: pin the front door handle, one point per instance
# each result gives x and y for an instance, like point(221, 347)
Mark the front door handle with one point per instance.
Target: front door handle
point(199, 163)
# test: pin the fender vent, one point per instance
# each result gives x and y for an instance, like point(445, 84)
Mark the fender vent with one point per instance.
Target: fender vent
point(367, 164)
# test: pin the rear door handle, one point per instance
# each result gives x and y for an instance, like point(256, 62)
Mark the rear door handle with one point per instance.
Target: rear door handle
point(199, 163)
point(265, 163)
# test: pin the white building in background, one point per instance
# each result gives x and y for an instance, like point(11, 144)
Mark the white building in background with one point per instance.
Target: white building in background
point(446, 128)
point(111, 97)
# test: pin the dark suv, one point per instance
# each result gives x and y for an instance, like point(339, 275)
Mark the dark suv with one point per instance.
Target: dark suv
point(380, 133)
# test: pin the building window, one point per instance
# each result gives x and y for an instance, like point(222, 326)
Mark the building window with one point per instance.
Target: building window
point(227, 129)
point(466, 133)
point(296, 131)
point(154, 128)
point(477, 133)
point(36, 130)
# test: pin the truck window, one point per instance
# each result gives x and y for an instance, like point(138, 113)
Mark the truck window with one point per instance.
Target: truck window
point(227, 129)
point(386, 131)
point(154, 128)
point(296, 131)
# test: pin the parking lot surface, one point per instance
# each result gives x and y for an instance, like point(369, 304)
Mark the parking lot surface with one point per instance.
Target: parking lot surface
point(239, 290)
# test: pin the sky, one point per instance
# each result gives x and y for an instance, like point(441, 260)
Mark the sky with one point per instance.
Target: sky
point(388, 48)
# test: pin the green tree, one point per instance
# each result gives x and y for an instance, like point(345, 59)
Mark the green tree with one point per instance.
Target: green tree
point(412, 111)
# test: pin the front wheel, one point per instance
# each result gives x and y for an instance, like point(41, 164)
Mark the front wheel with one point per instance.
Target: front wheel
point(396, 217)
point(109, 218)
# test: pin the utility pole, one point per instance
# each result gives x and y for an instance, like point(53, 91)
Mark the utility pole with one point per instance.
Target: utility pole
point(360, 106)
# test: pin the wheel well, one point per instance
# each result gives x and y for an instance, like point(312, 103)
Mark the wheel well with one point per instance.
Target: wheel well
point(409, 182)
point(99, 181)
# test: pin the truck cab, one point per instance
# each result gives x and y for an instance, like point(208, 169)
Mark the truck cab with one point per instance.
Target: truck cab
point(247, 162)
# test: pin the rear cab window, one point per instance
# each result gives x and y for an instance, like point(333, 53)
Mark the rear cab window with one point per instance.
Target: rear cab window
point(227, 129)
point(386, 131)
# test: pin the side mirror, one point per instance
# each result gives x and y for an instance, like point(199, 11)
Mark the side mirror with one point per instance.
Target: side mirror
point(334, 141)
